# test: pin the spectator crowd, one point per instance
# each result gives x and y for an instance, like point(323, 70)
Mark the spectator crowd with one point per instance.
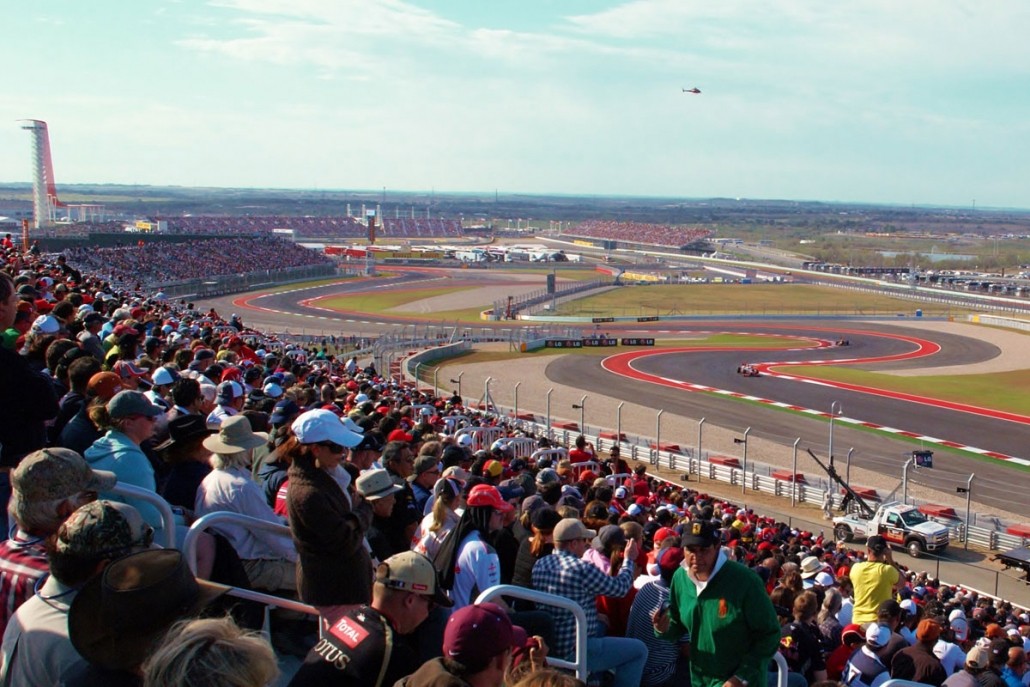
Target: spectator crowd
point(395, 515)
point(639, 232)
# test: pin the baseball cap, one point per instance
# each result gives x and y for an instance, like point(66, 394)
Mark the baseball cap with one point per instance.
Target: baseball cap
point(662, 533)
point(50, 474)
point(978, 658)
point(825, 579)
point(488, 495)
point(46, 324)
point(889, 608)
point(928, 630)
point(376, 484)
point(126, 369)
point(852, 633)
point(284, 410)
point(547, 476)
point(104, 385)
point(669, 558)
point(410, 571)
point(620, 492)
point(228, 391)
point(609, 535)
point(493, 468)
point(465, 440)
point(477, 633)
point(126, 403)
point(700, 533)
point(571, 529)
point(164, 375)
point(103, 528)
point(425, 463)
point(316, 426)
point(960, 627)
point(400, 435)
point(877, 635)
point(876, 543)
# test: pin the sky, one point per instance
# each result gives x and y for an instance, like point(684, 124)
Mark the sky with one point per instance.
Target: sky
point(916, 102)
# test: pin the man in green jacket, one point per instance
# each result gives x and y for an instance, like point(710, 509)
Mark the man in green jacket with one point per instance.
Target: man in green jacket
point(724, 608)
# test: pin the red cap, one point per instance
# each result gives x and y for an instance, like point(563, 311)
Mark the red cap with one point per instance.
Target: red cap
point(642, 501)
point(488, 495)
point(664, 533)
point(400, 435)
point(477, 633)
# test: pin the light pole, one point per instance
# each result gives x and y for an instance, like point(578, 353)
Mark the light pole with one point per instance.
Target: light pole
point(700, 425)
point(743, 472)
point(847, 466)
point(516, 409)
point(487, 401)
point(618, 422)
point(658, 437)
point(548, 397)
point(581, 407)
point(835, 404)
point(436, 381)
point(904, 479)
point(794, 476)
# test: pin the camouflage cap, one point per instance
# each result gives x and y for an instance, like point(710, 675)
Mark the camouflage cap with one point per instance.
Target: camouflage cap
point(103, 528)
point(57, 473)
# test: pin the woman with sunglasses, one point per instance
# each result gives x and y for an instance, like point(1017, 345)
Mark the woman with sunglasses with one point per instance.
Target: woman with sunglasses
point(328, 525)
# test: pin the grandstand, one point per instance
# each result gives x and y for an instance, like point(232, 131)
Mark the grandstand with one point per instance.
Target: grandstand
point(639, 233)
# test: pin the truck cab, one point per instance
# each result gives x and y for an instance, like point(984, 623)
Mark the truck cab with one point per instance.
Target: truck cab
point(900, 524)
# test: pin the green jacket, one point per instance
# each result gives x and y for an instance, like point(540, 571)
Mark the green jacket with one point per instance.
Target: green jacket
point(732, 626)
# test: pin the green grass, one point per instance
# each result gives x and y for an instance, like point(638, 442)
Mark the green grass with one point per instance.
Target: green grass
point(742, 298)
point(382, 300)
point(998, 391)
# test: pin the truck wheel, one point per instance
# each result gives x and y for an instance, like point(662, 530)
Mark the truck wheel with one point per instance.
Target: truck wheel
point(842, 533)
point(915, 548)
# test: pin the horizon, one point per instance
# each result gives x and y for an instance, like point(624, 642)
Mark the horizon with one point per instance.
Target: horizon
point(868, 103)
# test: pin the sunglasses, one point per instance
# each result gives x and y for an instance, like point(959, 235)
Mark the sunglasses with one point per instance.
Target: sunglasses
point(332, 446)
point(698, 549)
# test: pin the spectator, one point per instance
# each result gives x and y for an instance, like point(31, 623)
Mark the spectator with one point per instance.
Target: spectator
point(187, 460)
point(269, 558)
point(975, 663)
point(327, 524)
point(540, 543)
point(427, 472)
point(120, 615)
point(363, 642)
point(1015, 667)
point(874, 580)
point(802, 643)
point(851, 638)
point(667, 662)
point(131, 417)
point(27, 397)
point(404, 518)
point(36, 646)
point(998, 656)
point(441, 520)
point(210, 652)
point(917, 663)
point(379, 490)
point(864, 668)
point(92, 420)
point(566, 574)
point(467, 561)
point(48, 486)
point(477, 645)
point(727, 647)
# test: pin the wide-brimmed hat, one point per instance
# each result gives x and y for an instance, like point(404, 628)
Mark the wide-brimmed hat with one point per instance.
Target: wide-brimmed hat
point(234, 435)
point(810, 566)
point(120, 613)
point(183, 428)
point(376, 484)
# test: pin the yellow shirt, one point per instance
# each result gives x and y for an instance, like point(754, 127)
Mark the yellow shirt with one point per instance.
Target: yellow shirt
point(873, 582)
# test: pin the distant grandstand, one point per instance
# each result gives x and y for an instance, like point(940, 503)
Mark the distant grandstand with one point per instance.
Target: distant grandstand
point(307, 228)
point(625, 234)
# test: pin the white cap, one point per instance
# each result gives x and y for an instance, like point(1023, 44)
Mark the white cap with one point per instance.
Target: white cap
point(825, 579)
point(46, 324)
point(877, 636)
point(465, 440)
point(908, 605)
point(322, 425)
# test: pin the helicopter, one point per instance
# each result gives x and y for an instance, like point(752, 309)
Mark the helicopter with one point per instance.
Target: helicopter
point(695, 90)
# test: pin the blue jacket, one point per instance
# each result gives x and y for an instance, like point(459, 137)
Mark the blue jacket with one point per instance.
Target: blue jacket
point(117, 453)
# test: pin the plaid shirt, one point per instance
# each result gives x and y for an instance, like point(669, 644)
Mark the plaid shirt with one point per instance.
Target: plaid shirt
point(563, 574)
point(22, 562)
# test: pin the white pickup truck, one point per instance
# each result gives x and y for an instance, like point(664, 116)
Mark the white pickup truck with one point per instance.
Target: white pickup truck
point(898, 523)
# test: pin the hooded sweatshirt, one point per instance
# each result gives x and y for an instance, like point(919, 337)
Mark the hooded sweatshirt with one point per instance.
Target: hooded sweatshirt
point(117, 453)
point(432, 674)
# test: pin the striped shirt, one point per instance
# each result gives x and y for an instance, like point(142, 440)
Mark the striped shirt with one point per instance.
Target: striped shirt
point(661, 653)
point(23, 561)
point(563, 574)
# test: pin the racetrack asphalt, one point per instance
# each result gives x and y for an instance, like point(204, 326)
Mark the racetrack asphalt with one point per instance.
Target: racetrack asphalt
point(997, 486)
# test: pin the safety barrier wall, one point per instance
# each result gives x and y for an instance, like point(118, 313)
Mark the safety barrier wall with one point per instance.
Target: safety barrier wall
point(997, 321)
point(219, 285)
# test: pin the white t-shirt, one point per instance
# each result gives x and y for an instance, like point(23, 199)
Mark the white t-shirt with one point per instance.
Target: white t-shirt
point(951, 656)
point(477, 568)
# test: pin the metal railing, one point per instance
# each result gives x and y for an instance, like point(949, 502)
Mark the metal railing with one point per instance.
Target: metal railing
point(579, 664)
point(131, 491)
point(189, 551)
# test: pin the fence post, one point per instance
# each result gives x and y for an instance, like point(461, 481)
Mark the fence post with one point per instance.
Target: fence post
point(700, 424)
point(657, 437)
point(794, 477)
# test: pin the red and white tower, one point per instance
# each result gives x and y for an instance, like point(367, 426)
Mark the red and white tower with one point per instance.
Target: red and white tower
point(44, 190)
